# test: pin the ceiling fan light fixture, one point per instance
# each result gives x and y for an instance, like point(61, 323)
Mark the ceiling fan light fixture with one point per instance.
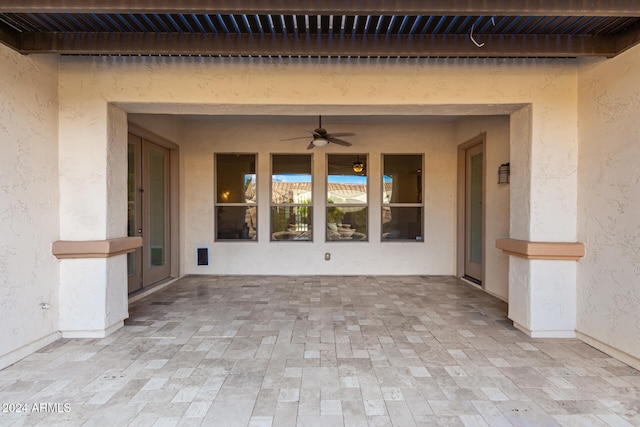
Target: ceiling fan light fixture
point(320, 142)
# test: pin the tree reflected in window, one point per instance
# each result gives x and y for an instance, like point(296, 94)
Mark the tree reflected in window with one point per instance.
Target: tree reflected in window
point(291, 197)
point(347, 197)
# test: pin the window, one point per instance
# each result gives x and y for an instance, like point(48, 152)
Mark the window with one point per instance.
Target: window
point(347, 197)
point(291, 197)
point(236, 209)
point(402, 206)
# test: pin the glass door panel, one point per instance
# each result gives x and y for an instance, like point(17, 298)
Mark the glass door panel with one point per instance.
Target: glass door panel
point(157, 215)
point(134, 211)
point(474, 222)
point(155, 234)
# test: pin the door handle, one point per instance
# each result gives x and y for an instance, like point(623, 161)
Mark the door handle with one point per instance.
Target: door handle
point(140, 231)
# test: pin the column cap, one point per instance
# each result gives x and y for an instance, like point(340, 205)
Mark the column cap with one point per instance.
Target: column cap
point(64, 249)
point(563, 251)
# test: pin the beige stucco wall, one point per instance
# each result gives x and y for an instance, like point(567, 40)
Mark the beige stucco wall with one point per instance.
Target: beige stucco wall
point(92, 147)
point(29, 208)
point(253, 134)
point(539, 96)
point(609, 212)
point(93, 294)
point(434, 137)
point(334, 88)
point(497, 196)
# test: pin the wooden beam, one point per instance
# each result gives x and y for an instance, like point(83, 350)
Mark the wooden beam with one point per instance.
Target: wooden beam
point(9, 37)
point(626, 8)
point(324, 45)
point(628, 39)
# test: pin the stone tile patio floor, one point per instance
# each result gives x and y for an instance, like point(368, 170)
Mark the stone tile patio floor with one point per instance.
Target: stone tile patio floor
point(319, 351)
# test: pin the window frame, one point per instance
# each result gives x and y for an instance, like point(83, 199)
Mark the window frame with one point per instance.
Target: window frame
point(273, 205)
point(217, 204)
point(420, 204)
point(364, 158)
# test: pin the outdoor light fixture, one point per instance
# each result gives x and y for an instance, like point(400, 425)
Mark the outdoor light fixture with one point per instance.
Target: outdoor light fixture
point(503, 173)
point(358, 166)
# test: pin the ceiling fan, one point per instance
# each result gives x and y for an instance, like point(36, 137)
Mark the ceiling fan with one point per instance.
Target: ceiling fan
point(321, 137)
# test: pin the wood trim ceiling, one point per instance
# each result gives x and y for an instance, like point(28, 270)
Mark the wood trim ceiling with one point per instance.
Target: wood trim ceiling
point(330, 28)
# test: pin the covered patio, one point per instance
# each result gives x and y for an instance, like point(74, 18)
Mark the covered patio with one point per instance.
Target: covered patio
point(319, 351)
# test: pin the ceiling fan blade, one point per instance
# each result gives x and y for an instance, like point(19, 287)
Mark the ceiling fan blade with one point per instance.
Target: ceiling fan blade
point(291, 139)
point(315, 134)
point(310, 146)
point(340, 134)
point(338, 141)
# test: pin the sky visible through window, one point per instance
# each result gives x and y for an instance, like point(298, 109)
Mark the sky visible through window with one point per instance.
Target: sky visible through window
point(291, 178)
point(347, 179)
point(333, 179)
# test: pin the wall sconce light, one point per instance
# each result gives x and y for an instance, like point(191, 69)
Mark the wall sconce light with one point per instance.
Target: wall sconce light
point(503, 173)
point(358, 166)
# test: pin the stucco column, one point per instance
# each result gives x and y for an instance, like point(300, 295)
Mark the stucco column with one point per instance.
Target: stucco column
point(93, 199)
point(542, 278)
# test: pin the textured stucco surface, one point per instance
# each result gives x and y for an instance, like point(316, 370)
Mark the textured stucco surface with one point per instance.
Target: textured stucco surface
point(435, 255)
point(540, 96)
point(542, 297)
point(95, 93)
point(93, 295)
point(265, 87)
point(521, 183)
point(609, 212)
point(497, 196)
point(29, 206)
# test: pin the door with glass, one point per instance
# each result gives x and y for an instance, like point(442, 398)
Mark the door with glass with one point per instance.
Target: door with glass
point(474, 216)
point(148, 212)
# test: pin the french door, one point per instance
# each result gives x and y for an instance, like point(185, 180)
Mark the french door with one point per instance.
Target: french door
point(148, 212)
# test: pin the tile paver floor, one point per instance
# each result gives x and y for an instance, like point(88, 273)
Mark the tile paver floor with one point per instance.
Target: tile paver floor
point(319, 351)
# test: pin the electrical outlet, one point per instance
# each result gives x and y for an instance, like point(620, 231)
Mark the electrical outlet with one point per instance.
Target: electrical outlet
point(327, 256)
